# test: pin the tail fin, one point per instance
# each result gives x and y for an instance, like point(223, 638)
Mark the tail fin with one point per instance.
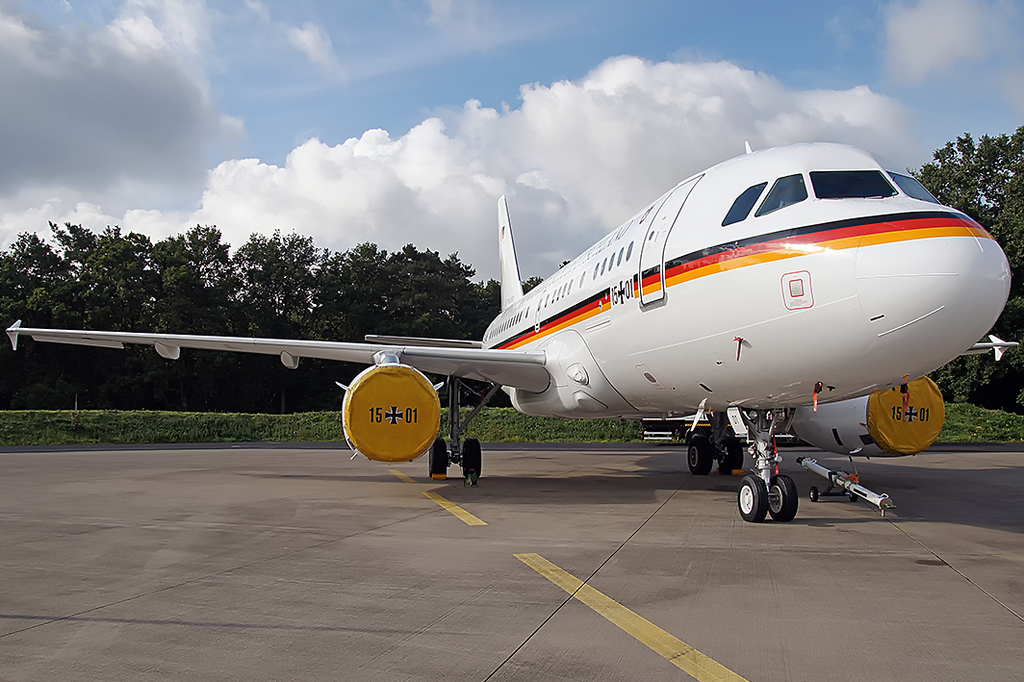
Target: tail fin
point(511, 286)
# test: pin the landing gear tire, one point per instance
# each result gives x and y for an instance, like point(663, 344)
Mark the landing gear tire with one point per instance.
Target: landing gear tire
point(733, 458)
point(471, 461)
point(753, 499)
point(438, 459)
point(783, 500)
point(853, 497)
point(700, 457)
point(813, 493)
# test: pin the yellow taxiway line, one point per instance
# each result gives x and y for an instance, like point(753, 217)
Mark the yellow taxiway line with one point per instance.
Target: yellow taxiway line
point(678, 653)
point(447, 505)
point(456, 510)
point(402, 476)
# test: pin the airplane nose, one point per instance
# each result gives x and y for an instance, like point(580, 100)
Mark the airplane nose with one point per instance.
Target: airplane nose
point(927, 300)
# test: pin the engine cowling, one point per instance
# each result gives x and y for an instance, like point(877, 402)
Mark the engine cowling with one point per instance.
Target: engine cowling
point(876, 425)
point(391, 413)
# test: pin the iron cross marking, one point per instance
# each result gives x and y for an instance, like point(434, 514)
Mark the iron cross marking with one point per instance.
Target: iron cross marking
point(394, 415)
point(911, 414)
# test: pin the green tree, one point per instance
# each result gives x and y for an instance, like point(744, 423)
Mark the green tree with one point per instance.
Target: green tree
point(985, 180)
point(197, 292)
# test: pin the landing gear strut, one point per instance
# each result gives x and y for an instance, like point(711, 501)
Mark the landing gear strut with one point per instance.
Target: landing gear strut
point(766, 491)
point(456, 451)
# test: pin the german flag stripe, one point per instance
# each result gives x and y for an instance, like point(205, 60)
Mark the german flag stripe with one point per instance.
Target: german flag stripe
point(584, 310)
point(799, 241)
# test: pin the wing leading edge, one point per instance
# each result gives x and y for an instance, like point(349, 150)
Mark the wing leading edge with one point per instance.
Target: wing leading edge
point(519, 369)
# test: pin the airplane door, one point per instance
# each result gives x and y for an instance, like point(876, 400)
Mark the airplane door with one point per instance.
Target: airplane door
point(652, 250)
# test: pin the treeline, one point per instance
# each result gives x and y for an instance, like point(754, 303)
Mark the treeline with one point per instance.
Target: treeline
point(984, 178)
point(281, 286)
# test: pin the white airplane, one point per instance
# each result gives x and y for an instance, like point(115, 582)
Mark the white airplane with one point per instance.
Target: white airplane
point(802, 288)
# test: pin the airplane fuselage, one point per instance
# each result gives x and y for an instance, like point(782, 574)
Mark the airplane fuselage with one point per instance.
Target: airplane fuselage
point(850, 294)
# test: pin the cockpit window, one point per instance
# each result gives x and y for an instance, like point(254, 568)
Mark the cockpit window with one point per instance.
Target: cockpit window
point(854, 184)
point(912, 188)
point(785, 192)
point(744, 202)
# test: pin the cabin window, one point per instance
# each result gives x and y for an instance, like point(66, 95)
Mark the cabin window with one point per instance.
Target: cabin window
point(603, 264)
point(856, 184)
point(912, 188)
point(596, 268)
point(785, 192)
point(621, 251)
point(629, 251)
point(741, 207)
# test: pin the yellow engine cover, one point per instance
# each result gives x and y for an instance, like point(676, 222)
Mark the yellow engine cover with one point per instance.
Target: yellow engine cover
point(391, 413)
point(907, 432)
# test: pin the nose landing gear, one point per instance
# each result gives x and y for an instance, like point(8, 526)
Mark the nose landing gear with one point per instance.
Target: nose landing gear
point(766, 491)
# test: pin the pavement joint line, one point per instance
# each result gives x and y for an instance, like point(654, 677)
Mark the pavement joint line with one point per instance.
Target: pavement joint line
point(957, 571)
point(455, 509)
point(191, 581)
point(677, 652)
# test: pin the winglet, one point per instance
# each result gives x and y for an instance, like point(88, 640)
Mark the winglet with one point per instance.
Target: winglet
point(999, 348)
point(996, 345)
point(511, 285)
point(12, 333)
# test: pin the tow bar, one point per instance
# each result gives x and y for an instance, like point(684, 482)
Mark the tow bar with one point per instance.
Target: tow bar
point(848, 482)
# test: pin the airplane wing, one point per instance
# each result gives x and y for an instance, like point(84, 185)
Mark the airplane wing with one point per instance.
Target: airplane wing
point(520, 369)
point(997, 346)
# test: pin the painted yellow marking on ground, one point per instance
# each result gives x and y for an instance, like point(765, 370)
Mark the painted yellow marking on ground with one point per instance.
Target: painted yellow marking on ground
point(456, 509)
point(402, 476)
point(678, 653)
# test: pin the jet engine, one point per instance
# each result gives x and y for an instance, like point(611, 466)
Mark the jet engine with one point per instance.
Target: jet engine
point(391, 413)
point(893, 423)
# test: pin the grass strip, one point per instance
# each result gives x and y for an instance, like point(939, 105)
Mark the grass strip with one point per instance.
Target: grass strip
point(964, 424)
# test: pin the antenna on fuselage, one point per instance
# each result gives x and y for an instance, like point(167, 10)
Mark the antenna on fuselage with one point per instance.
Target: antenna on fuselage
point(746, 145)
point(511, 285)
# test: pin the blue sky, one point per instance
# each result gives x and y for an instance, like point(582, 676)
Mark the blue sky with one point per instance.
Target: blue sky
point(257, 115)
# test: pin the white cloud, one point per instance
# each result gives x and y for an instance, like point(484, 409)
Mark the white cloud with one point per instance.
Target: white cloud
point(449, 12)
point(931, 37)
point(314, 42)
point(89, 110)
point(575, 159)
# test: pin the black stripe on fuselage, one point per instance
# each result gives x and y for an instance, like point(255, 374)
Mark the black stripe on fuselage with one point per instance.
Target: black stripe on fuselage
point(800, 231)
point(557, 316)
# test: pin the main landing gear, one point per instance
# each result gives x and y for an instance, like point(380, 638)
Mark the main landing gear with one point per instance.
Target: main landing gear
point(467, 453)
point(766, 491)
point(712, 440)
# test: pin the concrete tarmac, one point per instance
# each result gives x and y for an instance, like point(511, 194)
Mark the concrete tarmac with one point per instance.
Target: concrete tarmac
point(289, 562)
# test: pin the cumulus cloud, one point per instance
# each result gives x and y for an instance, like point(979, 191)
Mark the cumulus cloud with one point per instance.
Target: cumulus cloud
point(932, 36)
point(91, 109)
point(575, 159)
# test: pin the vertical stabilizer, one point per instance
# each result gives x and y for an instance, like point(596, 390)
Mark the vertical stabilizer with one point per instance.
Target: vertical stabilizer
point(511, 285)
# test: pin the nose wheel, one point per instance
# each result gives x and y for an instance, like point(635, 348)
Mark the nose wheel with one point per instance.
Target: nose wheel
point(765, 492)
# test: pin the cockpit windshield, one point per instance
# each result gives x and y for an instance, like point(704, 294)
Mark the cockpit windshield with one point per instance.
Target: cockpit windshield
point(854, 184)
point(912, 188)
point(786, 191)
